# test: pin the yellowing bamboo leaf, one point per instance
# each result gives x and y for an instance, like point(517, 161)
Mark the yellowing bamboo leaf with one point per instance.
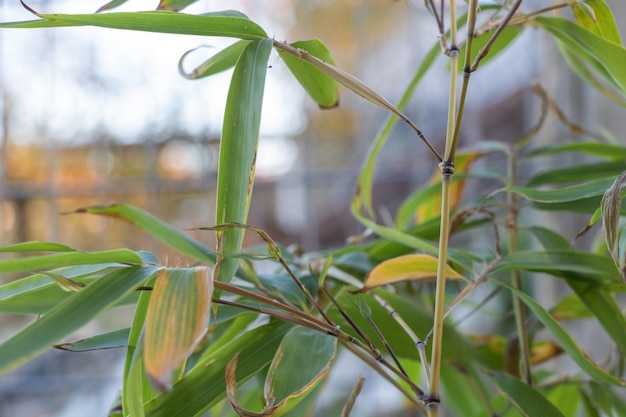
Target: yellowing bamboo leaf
point(611, 207)
point(65, 283)
point(432, 208)
point(406, 268)
point(177, 318)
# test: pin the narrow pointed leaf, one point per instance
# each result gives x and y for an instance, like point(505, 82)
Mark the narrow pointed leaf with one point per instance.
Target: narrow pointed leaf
point(66, 284)
point(322, 88)
point(564, 339)
point(598, 149)
point(110, 340)
point(597, 17)
point(111, 5)
point(174, 5)
point(70, 315)
point(604, 56)
point(157, 228)
point(421, 268)
point(611, 207)
point(37, 247)
point(594, 268)
point(525, 398)
point(578, 172)
point(37, 263)
point(177, 318)
point(156, 21)
point(222, 61)
point(238, 148)
point(565, 194)
point(204, 386)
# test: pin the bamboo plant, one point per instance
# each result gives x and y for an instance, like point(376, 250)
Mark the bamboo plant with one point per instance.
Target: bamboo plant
point(192, 345)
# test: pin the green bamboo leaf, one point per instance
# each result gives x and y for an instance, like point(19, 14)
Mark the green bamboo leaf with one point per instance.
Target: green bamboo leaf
point(37, 293)
point(110, 340)
point(136, 388)
point(597, 17)
point(204, 386)
point(566, 399)
point(570, 193)
point(463, 392)
point(570, 307)
point(579, 172)
point(599, 149)
point(66, 284)
point(78, 310)
point(309, 351)
point(174, 5)
point(592, 268)
point(111, 5)
point(210, 24)
point(565, 340)
point(177, 318)
point(37, 247)
point(238, 150)
point(35, 263)
point(611, 207)
point(508, 35)
point(157, 228)
point(549, 239)
point(525, 398)
point(602, 55)
point(222, 61)
point(604, 308)
point(322, 88)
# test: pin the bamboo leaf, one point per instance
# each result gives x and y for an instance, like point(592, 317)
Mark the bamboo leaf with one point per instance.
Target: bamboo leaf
point(564, 339)
point(110, 340)
point(238, 151)
point(579, 172)
point(70, 315)
point(215, 24)
point(596, 16)
point(604, 56)
point(525, 398)
point(593, 268)
point(177, 318)
point(204, 386)
point(420, 268)
point(599, 149)
point(322, 88)
point(36, 263)
point(309, 351)
point(564, 194)
point(611, 207)
point(37, 247)
point(222, 61)
point(111, 5)
point(157, 228)
point(66, 284)
point(174, 5)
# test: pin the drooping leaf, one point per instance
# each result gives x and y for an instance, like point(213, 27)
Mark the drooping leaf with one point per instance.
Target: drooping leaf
point(565, 340)
point(564, 194)
point(110, 340)
point(222, 61)
point(79, 309)
point(177, 318)
point(525, 398)
point(204, 386)
point(578, 172)
point(597, 17)
point(155, 227)
point(611, 206)
point(155, 21)
point(238, 148)
point(605, 57)
point(420, 268)
point(322, 88)
point(174, 5)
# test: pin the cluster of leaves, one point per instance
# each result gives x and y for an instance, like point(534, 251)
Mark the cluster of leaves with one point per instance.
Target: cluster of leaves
point(199, 333)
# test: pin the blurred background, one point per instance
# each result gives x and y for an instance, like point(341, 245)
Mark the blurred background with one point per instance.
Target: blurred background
point(95, 116)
